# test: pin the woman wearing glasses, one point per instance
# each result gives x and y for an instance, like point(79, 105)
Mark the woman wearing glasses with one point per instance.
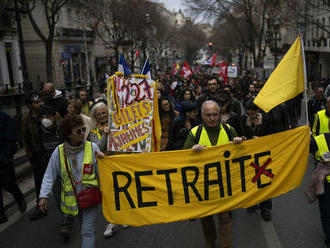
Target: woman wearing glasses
point(75, 108)
point(75, 163)
point(99, 135)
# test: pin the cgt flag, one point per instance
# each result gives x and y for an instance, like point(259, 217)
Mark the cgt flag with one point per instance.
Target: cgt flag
point(286, 81)
point(186, 71)
point(160, 187)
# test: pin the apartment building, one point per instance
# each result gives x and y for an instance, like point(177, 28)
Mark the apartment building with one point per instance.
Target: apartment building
point(11, 77)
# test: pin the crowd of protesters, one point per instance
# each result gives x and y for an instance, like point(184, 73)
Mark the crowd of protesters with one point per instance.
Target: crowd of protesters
point(86, 120)
point(235, 99)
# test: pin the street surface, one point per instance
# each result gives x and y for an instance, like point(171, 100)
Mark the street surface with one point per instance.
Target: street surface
point(295, 223)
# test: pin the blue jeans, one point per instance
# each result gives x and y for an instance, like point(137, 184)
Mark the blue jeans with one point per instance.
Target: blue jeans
point(88, 216)
point(88, 227)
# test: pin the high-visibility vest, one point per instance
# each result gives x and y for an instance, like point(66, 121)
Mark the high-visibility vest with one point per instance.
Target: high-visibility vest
point(97, 133)
point(68, 200)
point(204, 138)
point(324, 121)
point(322, 148)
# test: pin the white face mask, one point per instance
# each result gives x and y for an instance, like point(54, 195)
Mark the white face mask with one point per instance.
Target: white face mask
point(47, 123)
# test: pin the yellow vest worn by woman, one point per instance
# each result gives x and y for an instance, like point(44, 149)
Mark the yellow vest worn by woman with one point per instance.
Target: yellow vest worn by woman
point(68, 200)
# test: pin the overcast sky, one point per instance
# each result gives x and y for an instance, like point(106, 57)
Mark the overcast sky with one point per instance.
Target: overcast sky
point(179, 4)
point(172, 4)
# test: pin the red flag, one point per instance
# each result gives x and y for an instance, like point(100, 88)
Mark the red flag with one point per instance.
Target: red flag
point(186, 71)
point(213, 59)
point(226, 74)
point(221, 70)
point(137, 53)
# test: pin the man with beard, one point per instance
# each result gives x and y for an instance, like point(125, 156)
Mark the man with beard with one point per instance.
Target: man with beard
point(212, 87)
point(83, 97)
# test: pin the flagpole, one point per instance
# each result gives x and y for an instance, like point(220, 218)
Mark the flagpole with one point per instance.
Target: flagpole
point(305, 76)
point(144, 65)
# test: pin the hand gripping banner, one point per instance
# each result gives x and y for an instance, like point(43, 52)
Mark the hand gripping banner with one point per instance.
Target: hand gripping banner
point(151, 188)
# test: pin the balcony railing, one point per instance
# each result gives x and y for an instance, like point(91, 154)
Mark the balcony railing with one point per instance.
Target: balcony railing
point(75, 33)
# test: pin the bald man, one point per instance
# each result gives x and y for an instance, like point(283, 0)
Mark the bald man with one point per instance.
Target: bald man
point(212, 132)
point(55, 99)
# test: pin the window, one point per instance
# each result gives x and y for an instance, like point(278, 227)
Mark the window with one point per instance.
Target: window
point(329, 26)
point(8, 48)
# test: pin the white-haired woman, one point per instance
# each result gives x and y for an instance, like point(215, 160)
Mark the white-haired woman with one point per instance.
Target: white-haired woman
point(99, 120)
point(99, 135)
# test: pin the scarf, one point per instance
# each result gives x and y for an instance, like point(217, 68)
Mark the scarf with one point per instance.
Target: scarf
point(72, 151)
point(315, 186)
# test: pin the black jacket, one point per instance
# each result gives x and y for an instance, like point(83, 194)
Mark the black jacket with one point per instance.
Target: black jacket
point(279, 116)
point(261, 130)
point(177, 134)
point(8, 145)
point(59, 103)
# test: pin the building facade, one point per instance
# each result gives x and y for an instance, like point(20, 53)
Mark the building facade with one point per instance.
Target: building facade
point(11, 78)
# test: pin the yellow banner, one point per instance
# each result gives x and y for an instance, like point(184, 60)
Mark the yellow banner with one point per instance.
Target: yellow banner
point(151, 188)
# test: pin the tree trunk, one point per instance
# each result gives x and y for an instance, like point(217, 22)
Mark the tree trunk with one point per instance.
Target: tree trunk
point(116, 48)
point(26, 82)
point(49, 60)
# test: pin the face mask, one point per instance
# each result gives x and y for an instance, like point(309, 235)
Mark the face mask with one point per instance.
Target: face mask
point(47, 123)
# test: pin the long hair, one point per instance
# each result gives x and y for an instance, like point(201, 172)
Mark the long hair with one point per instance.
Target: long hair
point(162, 112)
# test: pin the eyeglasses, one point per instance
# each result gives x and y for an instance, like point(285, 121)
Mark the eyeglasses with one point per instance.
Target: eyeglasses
point(81, 130)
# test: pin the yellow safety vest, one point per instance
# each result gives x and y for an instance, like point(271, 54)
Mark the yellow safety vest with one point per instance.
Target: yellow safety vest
point(324, 122)
point(204, 138)
point(322, 148)
point(89, 178)
point(97, 133)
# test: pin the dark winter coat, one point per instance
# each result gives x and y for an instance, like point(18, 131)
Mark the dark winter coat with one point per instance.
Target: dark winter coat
point(8, 146)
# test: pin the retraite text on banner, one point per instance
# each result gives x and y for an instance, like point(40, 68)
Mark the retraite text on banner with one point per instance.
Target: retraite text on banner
point(151, 188)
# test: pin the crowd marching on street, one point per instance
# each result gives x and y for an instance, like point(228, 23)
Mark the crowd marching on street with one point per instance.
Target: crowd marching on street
point(194, 111)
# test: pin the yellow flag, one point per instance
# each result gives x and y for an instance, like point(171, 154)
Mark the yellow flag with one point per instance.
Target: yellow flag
point(286, 81)
point(156, 126)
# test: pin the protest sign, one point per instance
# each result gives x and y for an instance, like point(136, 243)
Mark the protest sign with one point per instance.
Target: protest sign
point(133, 114)
point(161, 187)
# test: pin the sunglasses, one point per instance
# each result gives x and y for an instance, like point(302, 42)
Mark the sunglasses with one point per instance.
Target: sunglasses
point(81, 130)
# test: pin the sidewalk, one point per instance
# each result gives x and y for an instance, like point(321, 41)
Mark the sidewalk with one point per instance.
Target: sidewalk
point(24, 178)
